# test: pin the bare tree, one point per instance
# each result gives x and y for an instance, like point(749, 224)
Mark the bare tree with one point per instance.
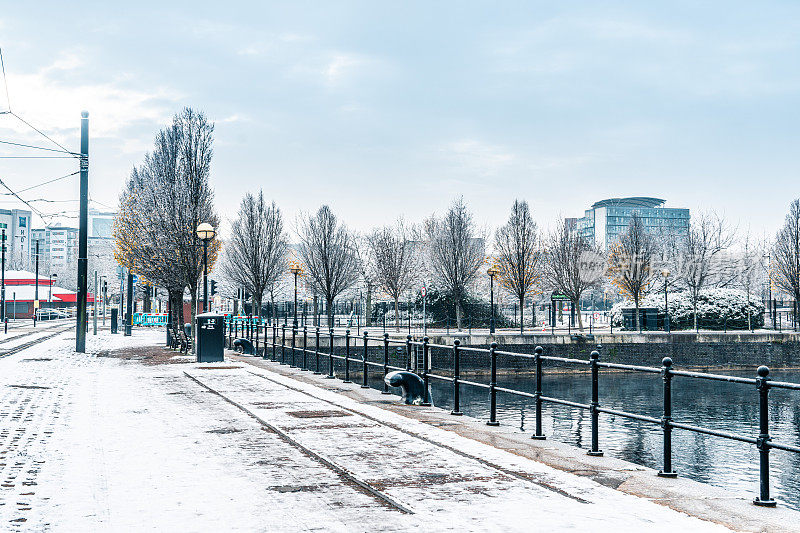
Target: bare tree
point(394, 262)
point(456, 252)
point(749, 267)
point(786, 252)
point(699, 257)
point(366, 272)
point(255, 253)
point(164, 201)
point(573, 264)
point(631, 262)
point(519, 254)
point(328, 255)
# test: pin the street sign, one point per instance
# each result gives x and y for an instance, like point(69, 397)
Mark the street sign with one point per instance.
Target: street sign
point(559, 296)
point(36, 304)
point(135, 279)
point(423, 291)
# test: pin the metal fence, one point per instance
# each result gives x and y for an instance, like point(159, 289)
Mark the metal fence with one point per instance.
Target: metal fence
point(290, 345)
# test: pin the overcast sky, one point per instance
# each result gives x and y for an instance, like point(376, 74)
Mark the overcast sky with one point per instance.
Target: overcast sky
point(394, 108)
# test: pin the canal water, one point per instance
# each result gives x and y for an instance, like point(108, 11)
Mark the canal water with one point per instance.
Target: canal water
point(718, 405)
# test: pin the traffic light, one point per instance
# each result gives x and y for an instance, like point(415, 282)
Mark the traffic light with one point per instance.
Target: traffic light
point(213, 287)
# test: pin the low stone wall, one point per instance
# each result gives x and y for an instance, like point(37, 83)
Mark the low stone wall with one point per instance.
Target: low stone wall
point(687, 350)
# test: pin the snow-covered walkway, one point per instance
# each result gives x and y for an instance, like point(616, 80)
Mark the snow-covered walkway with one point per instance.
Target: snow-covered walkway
point(110, 442)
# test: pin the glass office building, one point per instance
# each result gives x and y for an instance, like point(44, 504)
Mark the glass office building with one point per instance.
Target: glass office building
point(607, 219)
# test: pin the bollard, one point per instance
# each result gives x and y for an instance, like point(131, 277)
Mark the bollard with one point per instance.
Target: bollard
point(294, 336)
point(762, 443)
point(537, 395)
point(283, 345)
point(316, 352)
point(347, 356)
point(330, 356)
point(425, 378)
point(408, 352)
point(365, 375)
point(595, 415)
point(492, 387)
point(456, 374)
point(666, 419)
point(305, 347)
point(385, 363)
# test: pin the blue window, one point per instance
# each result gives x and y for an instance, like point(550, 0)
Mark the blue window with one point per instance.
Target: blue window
point(23, 222)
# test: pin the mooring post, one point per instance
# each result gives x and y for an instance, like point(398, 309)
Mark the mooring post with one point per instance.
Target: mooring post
point(666, 419)
point(456, 374)
point(537, 357)
point(365, 374)
point(762, 443)
point(385, 362)
point(347, 356)
point(425, 378)
point(595, 415)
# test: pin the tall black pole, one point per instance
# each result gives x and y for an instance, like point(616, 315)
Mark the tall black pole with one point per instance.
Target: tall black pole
point(129, 305)
point(294, 323)
point(205, 275)
point(83, 235)
point(36, 293)
point(491, 304)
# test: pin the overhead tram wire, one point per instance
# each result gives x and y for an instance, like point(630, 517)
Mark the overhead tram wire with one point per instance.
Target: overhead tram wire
point(39, 148)
point(18, 197)
point(47, 182)
point(5, 81)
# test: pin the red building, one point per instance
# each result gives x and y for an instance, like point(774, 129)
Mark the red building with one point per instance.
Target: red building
point(21, 292)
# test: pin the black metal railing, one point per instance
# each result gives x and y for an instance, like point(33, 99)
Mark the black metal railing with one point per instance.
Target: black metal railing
point(762, 384)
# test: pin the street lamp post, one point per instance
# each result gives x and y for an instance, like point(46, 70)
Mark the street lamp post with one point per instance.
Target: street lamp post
point(493, 271)
point(296, 270)
point(205, 232)
point(53, 278)
point(665, 273)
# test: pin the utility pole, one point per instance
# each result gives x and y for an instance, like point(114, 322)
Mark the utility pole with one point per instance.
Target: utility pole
point(94, 305)
point(129, 311)
point(36, 294)
point(83, 237)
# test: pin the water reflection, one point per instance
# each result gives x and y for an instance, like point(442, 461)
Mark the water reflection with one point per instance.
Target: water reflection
point(718, 405)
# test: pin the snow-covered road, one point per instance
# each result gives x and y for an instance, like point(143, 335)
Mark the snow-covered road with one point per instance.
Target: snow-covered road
point(111, 442)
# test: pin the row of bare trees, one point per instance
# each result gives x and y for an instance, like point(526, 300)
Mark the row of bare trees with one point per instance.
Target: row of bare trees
point(449, 251)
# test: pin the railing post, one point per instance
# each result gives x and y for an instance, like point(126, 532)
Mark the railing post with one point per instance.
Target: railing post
point(330, 356)
point(293, 364)
point(492, 387)
point(456, 375)
point(305, 347)
point(595, 403)
point(283, 345)
point(537, 357)
point(408, 352)
point(316, 352)
point(365, 375)
point(256, 339)
point(385, 363)
point(425, 378)
point(347, 357)
point(762, 443)
point(666, 419)
point(236, 329)
point(274, 340)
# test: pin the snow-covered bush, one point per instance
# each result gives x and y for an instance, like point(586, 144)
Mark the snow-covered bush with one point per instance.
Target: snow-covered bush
point(714, 306)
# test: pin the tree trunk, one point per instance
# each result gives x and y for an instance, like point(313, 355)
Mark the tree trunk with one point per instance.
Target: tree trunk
point(193, 312)
point(577, 307)
point(368, 313)
point(397, 314)
point(638, 319)
point(459, 313)
point(330, 312)
point(694, 313)
point(521, 315)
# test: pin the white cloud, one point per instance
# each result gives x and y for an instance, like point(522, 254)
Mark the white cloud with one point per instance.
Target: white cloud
point(53, 97)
